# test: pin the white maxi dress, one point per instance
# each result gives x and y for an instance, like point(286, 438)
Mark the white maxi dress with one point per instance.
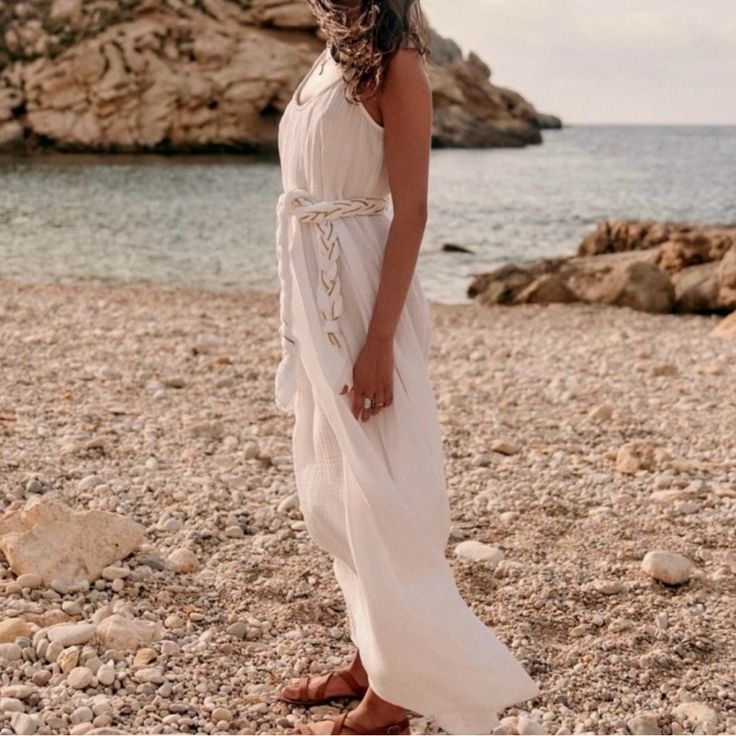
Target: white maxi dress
point(373, 494)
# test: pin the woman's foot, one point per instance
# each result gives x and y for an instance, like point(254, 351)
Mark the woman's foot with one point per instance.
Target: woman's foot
point(373, 716)
point(345, 682)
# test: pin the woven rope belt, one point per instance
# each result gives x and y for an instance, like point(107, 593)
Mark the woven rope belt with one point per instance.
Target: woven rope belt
point(298, 205)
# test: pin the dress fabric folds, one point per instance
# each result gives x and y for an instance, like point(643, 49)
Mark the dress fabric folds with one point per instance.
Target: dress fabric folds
point(373, 494)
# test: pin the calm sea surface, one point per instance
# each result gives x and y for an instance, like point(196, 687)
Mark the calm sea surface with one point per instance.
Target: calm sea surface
point(210, 222)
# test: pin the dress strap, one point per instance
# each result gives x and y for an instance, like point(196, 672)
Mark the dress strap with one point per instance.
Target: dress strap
point(308, 75)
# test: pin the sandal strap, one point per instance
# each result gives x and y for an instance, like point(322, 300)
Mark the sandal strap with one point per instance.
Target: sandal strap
point(389, 728)
point(303, 684)
point(338, 722)
point(351, 682)
point(322, 687)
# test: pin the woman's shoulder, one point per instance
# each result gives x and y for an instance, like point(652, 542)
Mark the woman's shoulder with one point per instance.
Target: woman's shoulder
point(409, 54)
point(407, 57)
point(408, 49)
point(407, 70)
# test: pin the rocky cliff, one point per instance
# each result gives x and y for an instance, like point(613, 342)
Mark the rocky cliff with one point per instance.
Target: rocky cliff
point(186, 75)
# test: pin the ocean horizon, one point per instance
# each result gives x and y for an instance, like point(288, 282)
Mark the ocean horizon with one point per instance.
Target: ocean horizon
point(208, 220)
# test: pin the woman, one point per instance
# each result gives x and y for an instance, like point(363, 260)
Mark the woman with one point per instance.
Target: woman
point(354, 144)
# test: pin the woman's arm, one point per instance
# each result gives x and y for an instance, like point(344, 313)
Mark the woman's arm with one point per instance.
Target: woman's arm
point(406, 107)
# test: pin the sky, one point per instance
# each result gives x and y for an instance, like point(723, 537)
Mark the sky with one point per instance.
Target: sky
point(605, 61)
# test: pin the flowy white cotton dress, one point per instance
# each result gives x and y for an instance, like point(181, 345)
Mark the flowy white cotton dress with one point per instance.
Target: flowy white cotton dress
point(373, 494)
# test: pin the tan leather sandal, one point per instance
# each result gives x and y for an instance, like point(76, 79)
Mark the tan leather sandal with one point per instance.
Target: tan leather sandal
point(357, 690)
point(338, 726)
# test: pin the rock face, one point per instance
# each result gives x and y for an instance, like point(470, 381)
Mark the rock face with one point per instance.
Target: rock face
point(46, 538)
point(648, 266)
point(472, 112)
point(184, 75)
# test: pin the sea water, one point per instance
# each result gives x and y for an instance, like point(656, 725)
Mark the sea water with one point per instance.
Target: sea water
point(209, 221)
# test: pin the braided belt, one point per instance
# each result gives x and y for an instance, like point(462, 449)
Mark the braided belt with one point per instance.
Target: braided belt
point(323, 298)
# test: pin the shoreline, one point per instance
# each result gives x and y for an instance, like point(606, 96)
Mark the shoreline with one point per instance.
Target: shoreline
point(114, 283)
point(270, 155)
point(577, 438)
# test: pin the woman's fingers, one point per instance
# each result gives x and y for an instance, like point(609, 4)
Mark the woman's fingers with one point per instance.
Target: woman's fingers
point(363, 413)
point(383, 397)
point(380, 401)
point(359, 396)
point(357, 404)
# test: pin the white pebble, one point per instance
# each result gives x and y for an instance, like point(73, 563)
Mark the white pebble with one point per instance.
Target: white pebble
point(80, 678)
point(667, 567)
point(183, 560)
point(478, 551)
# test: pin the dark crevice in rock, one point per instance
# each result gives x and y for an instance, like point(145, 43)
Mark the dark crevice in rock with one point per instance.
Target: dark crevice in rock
point(270, 110)
point(19, 111)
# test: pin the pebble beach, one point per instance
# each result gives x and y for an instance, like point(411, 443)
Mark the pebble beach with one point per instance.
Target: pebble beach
point(591, 467)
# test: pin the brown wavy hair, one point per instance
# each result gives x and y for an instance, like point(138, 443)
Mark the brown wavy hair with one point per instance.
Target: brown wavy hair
point(363, 39)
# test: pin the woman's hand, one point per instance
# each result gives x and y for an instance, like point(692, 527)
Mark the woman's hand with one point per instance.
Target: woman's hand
point(373, 376)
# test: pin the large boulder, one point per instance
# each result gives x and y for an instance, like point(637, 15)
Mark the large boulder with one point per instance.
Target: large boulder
point(727, 279)
point(696, 288)
point(502, 285)
point(649, 266)
point(640, 285)
point(45, 537)
point(549, 288)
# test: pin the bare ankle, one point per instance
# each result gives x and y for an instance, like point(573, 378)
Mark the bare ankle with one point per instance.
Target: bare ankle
point(377, 717)
point(356, 669)
point(376, 710)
